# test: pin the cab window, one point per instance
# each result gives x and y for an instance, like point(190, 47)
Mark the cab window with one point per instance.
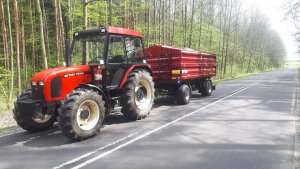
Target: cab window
point(116, 50)
point(89, 47)
point(134, 49)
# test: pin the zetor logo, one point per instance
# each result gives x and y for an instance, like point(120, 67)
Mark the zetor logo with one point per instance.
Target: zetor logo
point(73, 74)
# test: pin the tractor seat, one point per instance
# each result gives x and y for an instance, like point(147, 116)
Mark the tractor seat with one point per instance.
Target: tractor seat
point(117, 59)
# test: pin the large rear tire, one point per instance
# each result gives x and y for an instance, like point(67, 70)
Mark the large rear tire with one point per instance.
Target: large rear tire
point(81, 115)
point(138, 95)
point(28, 120)
point(183, 94)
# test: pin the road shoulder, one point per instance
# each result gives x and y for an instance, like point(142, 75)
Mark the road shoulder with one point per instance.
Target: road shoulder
point(297, 125)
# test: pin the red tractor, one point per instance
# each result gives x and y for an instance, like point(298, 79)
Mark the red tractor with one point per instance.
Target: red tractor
point(106, 70)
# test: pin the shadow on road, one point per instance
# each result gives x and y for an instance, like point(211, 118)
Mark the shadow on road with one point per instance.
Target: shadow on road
point(52, 137)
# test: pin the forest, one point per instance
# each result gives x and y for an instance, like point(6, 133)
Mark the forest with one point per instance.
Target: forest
point(33, 33)
point(292, 8)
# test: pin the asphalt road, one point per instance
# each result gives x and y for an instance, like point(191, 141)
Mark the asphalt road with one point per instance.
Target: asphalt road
point(246, 124)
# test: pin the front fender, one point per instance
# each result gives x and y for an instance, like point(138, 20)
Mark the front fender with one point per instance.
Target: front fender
point(96, 88)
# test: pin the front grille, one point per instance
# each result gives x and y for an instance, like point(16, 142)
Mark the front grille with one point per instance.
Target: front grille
point(37, 92)
point(56, 87)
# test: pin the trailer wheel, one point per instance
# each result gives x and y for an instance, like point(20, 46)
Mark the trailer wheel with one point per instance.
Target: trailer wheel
point(183, 94)
point(81, 114)
point(207, 88)
point(138, 95)
point(30, 122)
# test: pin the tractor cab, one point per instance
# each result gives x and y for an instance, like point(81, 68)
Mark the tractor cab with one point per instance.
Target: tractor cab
point(110, 52)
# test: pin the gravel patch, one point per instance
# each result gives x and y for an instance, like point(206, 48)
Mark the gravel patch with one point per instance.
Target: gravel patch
point(7, 120)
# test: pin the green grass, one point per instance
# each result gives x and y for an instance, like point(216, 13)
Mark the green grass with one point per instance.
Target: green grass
point(292, 64)
point(8, 128)
point(217, 81)
point(240, 76)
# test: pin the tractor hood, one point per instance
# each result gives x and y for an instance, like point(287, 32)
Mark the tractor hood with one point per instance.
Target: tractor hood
point(56, 83)
point(54, 72)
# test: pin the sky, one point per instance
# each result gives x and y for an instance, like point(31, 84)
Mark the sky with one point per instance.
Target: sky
point(275, 11)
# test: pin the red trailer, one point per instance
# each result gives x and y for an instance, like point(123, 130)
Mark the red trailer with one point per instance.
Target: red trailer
point(181, 71)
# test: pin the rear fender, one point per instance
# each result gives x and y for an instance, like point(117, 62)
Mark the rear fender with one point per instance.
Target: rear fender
point(134, 67)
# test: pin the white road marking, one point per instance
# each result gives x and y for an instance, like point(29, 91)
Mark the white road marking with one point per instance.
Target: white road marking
point(95, 151)
point(148, 133)
point(8, 134)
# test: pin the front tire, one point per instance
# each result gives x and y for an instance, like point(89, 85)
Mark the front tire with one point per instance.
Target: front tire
point(138, 95)
point(27, 120)
point(81, 114)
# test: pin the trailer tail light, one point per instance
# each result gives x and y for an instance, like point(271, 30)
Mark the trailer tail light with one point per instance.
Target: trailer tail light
point(176, 72)
point(185, 71)
point(175, 78)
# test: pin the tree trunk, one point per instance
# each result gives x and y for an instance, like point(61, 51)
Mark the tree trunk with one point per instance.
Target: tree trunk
point(4, 36)
point(85, 19)
point(125, 14)
point(200, 26)
point(42, 34)
point(24, 58)
point(185, 24)
point(224, 39)
point(57, 31)
point(110, 13)
point(159, 21)
point(174, 22)
point(154, 20)
point(163, 22)
point(227, 37)
point(17, 40)
point(46, 31)
point(11, 88)
point(62, 30)
point(148, 24)
point(192, 22)
point(32, 34)
point(182, 25)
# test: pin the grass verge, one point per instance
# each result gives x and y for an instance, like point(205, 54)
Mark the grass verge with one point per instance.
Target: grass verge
point(239, 76)
point(217, 81)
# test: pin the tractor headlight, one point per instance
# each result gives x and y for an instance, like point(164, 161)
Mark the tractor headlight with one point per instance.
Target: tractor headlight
point(41, 83)
point(102, 30)
point(33, 83)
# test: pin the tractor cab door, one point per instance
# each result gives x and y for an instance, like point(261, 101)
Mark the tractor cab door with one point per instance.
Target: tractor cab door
point(116, 61)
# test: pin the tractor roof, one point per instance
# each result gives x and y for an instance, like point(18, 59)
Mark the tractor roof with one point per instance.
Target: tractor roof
point(110, 29)
point(123, 31)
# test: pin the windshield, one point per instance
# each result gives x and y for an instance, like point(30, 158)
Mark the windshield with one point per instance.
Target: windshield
point(88, 50)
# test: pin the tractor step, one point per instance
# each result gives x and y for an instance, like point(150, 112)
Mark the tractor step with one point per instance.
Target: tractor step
point(115, 98)
point(112, 87)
